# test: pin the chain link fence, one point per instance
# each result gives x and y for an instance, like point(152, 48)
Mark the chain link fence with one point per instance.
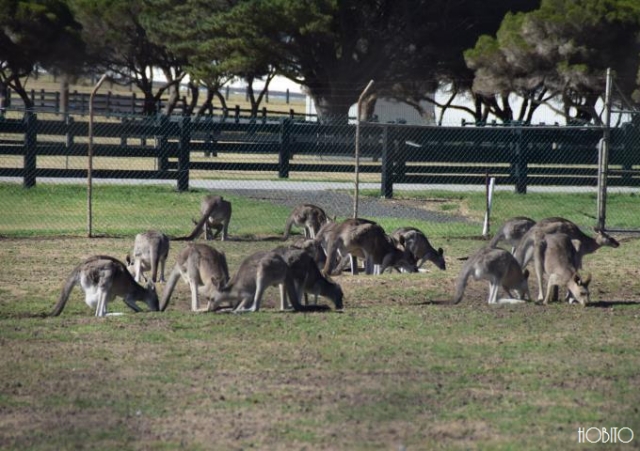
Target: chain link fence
point(167, 164)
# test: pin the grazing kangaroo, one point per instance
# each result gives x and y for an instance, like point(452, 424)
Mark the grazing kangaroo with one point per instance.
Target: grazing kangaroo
point(215, 213)
point(103, 278)
point(416, 241)
point(309, 216)
point(556, 255)
point(585, 244)
point(255, 274)
point(370, 241)
point(497, 266)
point(307, 277)
point(203, 268)
point(512, 231)
point(150, 251)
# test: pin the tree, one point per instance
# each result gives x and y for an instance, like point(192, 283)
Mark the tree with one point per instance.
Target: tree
point(334, 47)
point(562, 50)
point(120, 44)
point(37, 32)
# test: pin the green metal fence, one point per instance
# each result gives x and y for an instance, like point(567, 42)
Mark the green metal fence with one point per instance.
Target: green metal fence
point(274, 153)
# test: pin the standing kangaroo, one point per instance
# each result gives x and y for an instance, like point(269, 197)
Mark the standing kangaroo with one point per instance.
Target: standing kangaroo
point(369, 240)
point(556, 255)
point(215, 213)
point(585, 244)
point(309, 216)
point(150, 251)
point(255, 274)
point(103, 278)
point(497, 266)
point(416, 241)
point(203, 268)
point(512, 231)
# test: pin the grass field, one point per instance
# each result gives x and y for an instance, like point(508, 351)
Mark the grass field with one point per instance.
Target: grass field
point(399, 368)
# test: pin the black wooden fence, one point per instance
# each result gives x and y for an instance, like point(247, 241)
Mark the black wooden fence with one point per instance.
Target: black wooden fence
point(515, 155)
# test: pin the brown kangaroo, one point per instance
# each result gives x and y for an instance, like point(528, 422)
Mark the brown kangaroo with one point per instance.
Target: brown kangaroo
point(150, 251)
point(215, 213)
point(309, 216)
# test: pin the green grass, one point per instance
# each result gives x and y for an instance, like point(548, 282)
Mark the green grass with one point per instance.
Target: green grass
point(398, 368)
point(47, 210)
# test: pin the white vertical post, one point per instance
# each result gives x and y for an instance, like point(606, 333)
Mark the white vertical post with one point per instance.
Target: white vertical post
point(490, 188)
point(603, 155)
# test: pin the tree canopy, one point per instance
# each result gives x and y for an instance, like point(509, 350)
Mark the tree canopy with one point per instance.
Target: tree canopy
point(37, 32)
point(540, 51)
point(561, 51)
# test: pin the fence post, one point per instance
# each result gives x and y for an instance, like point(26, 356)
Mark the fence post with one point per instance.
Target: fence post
point(519, 162)
point(386, 188)
point(30, 149)
point(184, 154)
point(285, 149)
point(162, 142)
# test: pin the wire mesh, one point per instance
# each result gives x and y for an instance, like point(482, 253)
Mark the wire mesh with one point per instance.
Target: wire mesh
point(170, 162)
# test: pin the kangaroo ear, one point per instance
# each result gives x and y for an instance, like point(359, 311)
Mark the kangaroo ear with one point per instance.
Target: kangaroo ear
point(597, 229)
point(128, 259)
point(586, 280)
point(525, 273)
point(440, 251)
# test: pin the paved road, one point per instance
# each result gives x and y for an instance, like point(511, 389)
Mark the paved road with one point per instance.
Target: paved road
point(316, 186)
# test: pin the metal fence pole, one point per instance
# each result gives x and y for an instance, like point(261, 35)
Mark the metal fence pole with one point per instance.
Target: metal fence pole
point(357, 152)
point(90, 159)
point(603, 156)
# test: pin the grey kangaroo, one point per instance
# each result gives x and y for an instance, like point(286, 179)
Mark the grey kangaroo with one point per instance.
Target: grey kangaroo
point(150, 251)
point(417, 243)
point(309, 216)
point(102, 278)
point(497, 266)
point(203, 268)
point(366, 239)
point(585, 244)
point(556, 256)
point(512, 231)
point(215, 213)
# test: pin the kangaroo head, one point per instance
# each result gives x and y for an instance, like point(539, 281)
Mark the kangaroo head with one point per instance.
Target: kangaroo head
point(579, 288)
point(440, 263)
point(522, 289)
point(604, 239)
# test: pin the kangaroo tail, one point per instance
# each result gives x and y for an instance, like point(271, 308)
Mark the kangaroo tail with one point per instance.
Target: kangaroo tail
point(71, 282)
point(496, 239)
point(169, 287)
point(461, 282)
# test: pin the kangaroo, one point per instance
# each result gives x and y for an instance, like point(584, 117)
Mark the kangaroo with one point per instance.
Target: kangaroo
point(586, 244)
point(512, 231)
point(307, 277)
point(556, 255)
point(416, 241)
point(369, 240)
point(309, 216)
point(497, 266)
point(150, 250)
point(215, 213)
point(255, 274)
point(103, 278)
point(203, 268)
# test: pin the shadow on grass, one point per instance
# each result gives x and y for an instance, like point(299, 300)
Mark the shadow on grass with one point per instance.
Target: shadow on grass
point(607, 304)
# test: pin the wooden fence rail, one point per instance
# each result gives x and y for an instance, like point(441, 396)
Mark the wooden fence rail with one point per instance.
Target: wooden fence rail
point(520, 156)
